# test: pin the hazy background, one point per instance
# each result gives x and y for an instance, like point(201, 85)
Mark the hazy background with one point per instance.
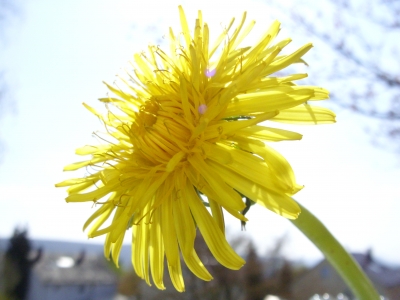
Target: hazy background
point(54, 55)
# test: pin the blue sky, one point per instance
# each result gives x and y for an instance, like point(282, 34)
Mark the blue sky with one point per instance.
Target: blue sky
point(59, 54)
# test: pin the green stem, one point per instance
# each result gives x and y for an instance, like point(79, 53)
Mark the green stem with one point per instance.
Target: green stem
point(334, 252)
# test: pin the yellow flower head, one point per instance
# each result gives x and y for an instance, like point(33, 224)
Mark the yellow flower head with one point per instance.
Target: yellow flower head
point(184, 133)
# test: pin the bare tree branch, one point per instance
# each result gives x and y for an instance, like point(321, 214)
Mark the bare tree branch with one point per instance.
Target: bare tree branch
point(360, 55)
point(340, 47)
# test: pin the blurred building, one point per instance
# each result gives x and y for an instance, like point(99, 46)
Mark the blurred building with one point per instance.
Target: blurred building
point(61, 271)
point(324, 279)
point(83, 277)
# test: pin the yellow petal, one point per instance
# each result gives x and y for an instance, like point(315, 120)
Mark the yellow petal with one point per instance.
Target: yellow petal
point(229, 197)
point(201, 185)
point(279, 203)
point(71, 182)
point(116, 248)
point(95, 195)
point(101, 215)
point(274, 99)
point(268, 133)
point(140, 245)
point(255, 169)
point(185, 27)
point(91, 162)
point(275, 161)
point(157, 250)
point(305, 115)
point(186, 233)
point(171, 245)
point(174, 161)
point(217, 152)
point(287, 60)
point(228, 127)
point(213, 236)
point(217, 214)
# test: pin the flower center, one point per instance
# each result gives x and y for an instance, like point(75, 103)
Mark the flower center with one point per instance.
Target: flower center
point(148, 113)
point(160, 133)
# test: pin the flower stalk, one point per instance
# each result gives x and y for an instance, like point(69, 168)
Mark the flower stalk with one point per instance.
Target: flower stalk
point(338, 257)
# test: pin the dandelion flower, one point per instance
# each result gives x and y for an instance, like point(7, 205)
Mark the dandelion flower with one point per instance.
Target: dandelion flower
point(185, 131)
